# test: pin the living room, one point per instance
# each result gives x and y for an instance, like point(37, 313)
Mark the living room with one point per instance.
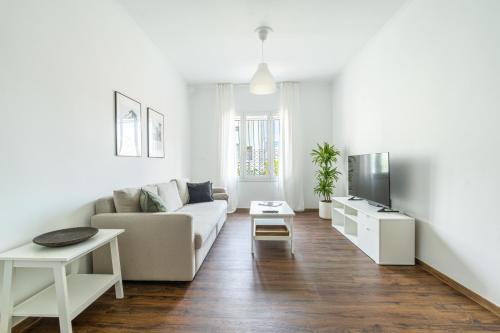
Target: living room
point(204, 153)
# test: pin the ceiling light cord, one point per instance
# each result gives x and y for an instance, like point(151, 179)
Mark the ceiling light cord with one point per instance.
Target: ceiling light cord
point(262, 52)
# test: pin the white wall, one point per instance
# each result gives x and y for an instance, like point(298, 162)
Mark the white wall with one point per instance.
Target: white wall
point(316, 109)
point(427, 89)
point(316, 105)
point(60, 62)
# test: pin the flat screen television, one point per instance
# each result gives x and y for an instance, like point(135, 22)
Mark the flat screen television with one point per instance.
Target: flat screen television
point(369, 178)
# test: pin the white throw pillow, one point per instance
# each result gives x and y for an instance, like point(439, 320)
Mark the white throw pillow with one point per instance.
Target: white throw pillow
point(183, 189)
point(170, 195)
point(151, 188)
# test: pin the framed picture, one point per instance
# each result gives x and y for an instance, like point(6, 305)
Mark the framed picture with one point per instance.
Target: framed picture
point(127, 126)
point(156, 129)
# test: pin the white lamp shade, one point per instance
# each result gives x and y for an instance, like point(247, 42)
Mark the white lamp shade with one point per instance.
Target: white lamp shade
point(262, 81)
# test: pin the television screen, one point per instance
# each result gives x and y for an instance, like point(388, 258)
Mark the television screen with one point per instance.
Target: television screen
point(369, 178)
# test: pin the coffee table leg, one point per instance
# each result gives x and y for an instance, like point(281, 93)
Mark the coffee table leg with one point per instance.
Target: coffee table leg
point(290, 220)
point(251, 233)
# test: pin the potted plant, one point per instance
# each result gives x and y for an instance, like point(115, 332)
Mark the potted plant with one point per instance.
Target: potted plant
point(325, 157)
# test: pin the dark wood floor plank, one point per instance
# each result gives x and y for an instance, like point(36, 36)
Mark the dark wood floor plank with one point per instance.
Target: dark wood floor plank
point(328, 286)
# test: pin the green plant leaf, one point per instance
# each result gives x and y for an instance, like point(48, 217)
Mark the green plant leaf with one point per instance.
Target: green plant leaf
point(325, 156)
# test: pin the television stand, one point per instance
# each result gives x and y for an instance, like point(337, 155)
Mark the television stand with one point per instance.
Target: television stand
point(388, 239)
point(387, 210)
point(353, 198)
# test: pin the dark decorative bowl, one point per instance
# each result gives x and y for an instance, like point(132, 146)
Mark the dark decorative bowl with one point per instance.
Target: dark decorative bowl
point(64, 237)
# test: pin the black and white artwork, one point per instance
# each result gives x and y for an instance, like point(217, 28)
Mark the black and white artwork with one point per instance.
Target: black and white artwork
point(128, 126)
point(156, 129)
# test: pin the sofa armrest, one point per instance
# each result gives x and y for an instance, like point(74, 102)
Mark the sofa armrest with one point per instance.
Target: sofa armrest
point(154, 246)
point(217, 189)
point(220, 196)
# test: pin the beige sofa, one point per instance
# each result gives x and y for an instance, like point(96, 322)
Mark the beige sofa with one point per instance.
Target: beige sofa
point(167, 246)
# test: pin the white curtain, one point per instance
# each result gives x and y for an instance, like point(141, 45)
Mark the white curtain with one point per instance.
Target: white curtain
point(227, 143)
point(291, 166)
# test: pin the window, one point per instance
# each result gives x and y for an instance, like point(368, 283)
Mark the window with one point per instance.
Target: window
point(258, 143)
point(237, 140)
point(276, 144)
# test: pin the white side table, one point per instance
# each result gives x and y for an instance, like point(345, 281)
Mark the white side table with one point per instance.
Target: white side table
point(70, 294)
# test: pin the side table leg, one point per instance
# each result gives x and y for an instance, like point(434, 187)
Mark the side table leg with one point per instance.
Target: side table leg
point(291, 234)
point(6, 301)
point(62, 299)
point(115, 261)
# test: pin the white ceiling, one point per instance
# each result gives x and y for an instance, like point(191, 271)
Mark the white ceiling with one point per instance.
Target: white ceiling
point(214, 40)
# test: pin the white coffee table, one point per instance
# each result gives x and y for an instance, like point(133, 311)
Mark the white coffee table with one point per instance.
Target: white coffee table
point(283, 215)
point(70, 294)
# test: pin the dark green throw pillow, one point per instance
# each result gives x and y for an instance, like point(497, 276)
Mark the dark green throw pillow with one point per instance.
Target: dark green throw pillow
point(151, 203)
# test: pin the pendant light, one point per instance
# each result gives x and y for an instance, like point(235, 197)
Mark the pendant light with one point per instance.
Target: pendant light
point(263, 81)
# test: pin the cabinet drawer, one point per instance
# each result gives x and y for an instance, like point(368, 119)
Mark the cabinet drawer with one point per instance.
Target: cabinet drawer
point(368, 231)
point(368, 221)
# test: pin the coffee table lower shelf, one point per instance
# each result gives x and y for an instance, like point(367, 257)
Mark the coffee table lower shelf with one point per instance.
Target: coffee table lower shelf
point(269, 230)
point(272, 230)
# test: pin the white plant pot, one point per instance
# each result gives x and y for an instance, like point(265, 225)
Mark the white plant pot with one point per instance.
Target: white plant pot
point(325, 210)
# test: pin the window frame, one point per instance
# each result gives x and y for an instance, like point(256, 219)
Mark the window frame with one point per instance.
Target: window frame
point(270, 116)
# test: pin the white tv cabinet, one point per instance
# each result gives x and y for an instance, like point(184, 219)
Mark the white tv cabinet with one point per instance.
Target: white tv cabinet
point(387, 238)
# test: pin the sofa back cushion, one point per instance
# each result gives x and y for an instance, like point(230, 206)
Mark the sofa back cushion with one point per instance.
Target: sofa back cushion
point(127, 200)
point(105, 205)
point(183, 189)
point(170, 195)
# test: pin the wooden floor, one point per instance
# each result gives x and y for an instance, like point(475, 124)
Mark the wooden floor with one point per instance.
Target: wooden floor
point(330, 286)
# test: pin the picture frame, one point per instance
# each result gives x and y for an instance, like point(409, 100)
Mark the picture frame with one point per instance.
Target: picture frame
point(128, 126)
point(156, 134)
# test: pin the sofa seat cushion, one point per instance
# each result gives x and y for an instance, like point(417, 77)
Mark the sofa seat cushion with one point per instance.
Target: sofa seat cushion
point(206, 215)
